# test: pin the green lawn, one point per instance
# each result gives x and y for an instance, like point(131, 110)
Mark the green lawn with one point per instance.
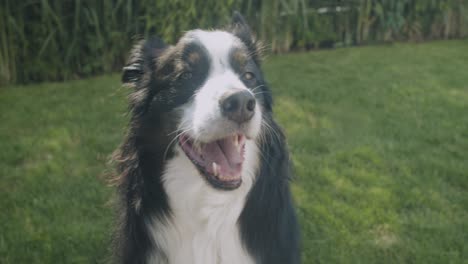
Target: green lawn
point(379, 137)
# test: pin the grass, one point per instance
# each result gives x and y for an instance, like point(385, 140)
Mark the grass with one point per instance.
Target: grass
point(379, 137)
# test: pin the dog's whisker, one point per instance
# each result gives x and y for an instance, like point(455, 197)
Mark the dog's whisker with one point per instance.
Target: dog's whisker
point(174, 140)
point(183, 126)
point(269, 129)
point(253, 89)
point(261, 92)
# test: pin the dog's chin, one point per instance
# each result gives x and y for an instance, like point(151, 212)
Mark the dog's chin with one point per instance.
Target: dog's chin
point(219, 161)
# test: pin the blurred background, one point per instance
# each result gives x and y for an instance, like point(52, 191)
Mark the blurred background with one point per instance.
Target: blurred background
point(50, 40)
point(372, 95)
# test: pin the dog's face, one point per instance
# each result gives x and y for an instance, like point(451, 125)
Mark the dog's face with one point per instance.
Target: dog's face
point(211, 85)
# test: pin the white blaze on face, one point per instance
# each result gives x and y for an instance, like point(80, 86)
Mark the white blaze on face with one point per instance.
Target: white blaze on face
point(204, 224)
point(203, 116)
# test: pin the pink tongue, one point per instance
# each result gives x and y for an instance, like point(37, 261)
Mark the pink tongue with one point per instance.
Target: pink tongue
point(226, 155)
point(231, 152)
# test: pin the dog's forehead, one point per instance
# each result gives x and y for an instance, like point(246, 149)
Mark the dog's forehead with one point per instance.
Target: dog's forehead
point(219, 44)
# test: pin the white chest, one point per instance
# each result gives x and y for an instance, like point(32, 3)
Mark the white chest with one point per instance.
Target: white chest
point(211, 242)
point(203, 228)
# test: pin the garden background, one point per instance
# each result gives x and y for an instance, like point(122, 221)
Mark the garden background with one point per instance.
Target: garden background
point(372, 95)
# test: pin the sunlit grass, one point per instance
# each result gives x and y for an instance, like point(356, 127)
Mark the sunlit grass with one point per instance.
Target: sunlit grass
point(379, 139)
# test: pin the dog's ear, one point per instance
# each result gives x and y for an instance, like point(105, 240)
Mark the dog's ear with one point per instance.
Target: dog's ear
point(142, 58)
point(241, 29)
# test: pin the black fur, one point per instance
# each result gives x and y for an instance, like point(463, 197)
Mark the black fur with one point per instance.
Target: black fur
point(268, 223)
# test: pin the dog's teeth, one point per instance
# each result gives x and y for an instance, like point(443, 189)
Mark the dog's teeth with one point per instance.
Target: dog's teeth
point(236, 141)
point(215, 169)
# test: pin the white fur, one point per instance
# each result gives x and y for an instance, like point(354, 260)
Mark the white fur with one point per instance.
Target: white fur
point(203, 226)
point(202, 119)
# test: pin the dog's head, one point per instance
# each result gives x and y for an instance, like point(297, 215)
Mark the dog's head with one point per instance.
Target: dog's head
point(206, 93)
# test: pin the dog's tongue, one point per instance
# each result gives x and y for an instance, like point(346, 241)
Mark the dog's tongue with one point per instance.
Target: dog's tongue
point(224, 157)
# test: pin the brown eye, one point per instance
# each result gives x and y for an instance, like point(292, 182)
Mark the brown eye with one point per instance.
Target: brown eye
point(248, 76)
point(186, 75)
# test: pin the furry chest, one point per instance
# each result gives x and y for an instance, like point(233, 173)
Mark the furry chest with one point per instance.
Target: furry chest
point(202, 245)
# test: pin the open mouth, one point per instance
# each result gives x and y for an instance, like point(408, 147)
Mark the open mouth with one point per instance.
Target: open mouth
point(220, 161)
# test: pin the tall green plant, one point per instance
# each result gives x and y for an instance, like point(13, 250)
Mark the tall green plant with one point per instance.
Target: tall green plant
point(44, 40)
point(7, 49)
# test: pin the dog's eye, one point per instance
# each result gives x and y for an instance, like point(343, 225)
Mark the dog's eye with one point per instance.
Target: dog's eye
point(186, 75)
point(248, 76)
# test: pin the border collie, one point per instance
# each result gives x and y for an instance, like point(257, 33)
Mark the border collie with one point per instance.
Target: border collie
point(203, 173)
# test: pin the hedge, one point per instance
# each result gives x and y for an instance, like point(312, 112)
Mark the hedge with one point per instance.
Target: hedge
point(48, 40)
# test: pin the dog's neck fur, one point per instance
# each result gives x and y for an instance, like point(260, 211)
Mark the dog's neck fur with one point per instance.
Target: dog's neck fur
point(203, 226)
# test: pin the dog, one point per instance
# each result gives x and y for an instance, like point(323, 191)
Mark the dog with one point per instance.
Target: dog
point(204, 170)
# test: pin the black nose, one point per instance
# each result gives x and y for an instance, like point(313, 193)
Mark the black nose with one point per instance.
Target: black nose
point(238, 106)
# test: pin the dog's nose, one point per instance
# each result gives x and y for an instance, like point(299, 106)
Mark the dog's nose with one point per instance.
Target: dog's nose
point(238, 106)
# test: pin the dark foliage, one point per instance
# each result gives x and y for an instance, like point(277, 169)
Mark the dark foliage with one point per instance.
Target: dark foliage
point(65, 39)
